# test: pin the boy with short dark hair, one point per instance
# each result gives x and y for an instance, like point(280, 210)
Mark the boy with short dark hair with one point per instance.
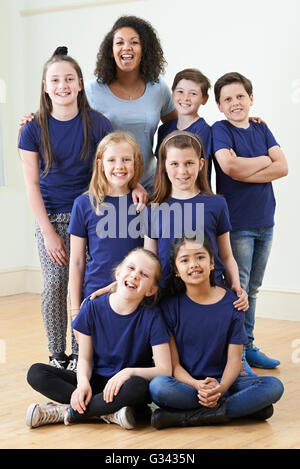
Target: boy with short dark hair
point(190, 91)
point(247, 159)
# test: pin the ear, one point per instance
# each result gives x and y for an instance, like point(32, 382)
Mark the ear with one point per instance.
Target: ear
point(204, 100)
point(251, 99)
point(152, 290)
point(80, 84)
point(219, 106)
point(44, 86)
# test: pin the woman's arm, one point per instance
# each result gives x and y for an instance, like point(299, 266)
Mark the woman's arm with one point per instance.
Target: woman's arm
point(232, 271)
point(169, 117)
point(76, 272)
point(162, 366)
point(54, 245)
point(82, 395)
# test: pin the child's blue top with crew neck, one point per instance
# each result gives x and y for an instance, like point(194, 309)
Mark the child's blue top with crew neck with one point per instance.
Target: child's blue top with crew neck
point(199, 127)
point(251, 205)
point(176, 217)
point(203, 332)
point(120, 341)
point(109, 236)
point(69, 174)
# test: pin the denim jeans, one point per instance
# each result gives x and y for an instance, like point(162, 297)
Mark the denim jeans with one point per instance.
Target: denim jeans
point(251, 251)
point(247, 395)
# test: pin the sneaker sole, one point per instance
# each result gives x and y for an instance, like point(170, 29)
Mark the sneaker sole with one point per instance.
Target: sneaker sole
point(128, 418)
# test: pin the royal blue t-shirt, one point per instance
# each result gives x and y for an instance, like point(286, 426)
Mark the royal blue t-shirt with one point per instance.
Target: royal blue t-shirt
point(199, 127)
point(120, 341)
point(203, 332)
point(251, 205)
point(70, 174)
point(110, 236)
point(176, 217)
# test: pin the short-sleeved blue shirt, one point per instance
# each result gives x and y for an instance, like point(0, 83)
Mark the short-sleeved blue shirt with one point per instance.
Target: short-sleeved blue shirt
point(109, 237)
point(69, 174)
point(203, 332)
point(185, 217)
point(120, 341)
point(199, 127)
point(251, 205)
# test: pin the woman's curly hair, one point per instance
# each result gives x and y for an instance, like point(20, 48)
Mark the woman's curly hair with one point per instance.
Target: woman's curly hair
point(152, 63)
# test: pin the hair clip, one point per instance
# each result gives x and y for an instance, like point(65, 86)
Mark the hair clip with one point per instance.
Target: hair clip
point(62, 50)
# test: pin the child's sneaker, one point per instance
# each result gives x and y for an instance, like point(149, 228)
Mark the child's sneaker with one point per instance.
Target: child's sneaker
point(245, 368)
point(72, 365)
point(123, 417)
point(45, 414)
point(59, 362)
point(258, 359)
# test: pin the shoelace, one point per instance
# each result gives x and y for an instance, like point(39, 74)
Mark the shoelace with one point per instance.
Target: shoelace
point(52, 414)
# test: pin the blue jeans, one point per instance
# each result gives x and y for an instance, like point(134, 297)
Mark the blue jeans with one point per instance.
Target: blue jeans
point(251, 250)
point(247, 395)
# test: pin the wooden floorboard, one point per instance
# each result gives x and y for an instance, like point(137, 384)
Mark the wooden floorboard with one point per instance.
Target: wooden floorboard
point(22, 334)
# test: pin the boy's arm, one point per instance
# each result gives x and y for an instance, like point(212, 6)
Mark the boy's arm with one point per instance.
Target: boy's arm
point(238, 167)
point(277, 169)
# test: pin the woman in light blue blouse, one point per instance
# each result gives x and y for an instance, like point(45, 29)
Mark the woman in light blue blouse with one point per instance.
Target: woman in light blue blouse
point(128, 88)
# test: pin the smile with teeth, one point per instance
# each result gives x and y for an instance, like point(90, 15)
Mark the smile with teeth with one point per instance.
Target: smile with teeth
point(63, 93)
point(130, 285)
point(195, 273)
point(126, 57)
point(119, 174)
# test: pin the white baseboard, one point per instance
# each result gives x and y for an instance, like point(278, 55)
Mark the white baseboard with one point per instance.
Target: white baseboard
point(20, 280)
point(271, 303)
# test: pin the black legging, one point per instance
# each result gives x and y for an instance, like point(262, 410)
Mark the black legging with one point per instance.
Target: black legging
point(58, 385)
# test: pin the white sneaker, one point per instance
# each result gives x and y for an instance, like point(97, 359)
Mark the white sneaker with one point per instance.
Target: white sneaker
point(123, 417)
point(44, 414)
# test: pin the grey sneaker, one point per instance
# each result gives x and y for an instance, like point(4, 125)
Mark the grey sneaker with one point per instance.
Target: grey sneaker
point(72, 365)
point(124, 417)
point(44, 414)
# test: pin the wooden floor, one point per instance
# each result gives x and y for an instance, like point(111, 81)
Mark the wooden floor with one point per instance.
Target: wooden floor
point(22, 342)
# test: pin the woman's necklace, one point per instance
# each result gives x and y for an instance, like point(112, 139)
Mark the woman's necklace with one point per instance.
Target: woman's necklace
point(124, 93)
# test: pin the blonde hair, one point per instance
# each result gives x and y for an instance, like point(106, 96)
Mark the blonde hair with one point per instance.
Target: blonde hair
point(99, 186)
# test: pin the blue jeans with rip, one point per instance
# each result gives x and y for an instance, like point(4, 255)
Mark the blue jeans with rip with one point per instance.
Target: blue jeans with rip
point(247, 395)
point(251, 250)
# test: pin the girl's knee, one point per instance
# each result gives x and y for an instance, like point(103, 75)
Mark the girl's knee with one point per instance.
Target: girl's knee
point(158, 387)
point(35, 373)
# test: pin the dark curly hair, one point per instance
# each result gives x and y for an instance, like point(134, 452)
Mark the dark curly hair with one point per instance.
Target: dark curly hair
point(152, 63)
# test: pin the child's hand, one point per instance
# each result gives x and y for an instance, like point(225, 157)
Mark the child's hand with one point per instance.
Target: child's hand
point(81, 397)
point(209, 392)
point(242, 303)
point(113, 386)
point(140, 197)
point(55, 248)
point(109, 289)
point(26, 118)
point(256, 120)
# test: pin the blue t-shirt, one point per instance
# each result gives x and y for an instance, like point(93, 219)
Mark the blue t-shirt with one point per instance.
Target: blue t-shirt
point(199, 127)
point(110, 236)
point(202, 214)
point(69, 174)
point(251, 205)
point(139, 116)
point(120, 341)
point(203, 332)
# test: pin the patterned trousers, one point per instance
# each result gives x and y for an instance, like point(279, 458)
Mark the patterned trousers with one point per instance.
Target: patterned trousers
point(55, 289)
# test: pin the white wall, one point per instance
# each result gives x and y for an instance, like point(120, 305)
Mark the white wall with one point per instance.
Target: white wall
point(259, 39)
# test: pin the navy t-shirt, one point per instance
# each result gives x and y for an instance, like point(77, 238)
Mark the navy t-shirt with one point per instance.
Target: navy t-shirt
point(120, 341)
point(69, 174)
point(203, 332)
point(109, 236)
point(176, 217)
point(251, 205)
point(199, 127)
